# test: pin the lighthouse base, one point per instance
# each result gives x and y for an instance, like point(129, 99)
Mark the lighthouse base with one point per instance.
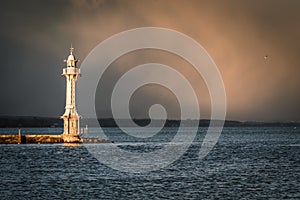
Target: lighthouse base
point(71, 138)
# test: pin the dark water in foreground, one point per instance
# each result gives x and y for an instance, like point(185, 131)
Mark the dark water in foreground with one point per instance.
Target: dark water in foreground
point(246, 163)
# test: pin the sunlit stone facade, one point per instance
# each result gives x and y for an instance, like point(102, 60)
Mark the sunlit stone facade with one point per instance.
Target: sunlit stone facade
point(71, 117)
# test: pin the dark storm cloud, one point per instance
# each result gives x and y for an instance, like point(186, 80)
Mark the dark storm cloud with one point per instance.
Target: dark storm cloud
point(29, 72)
point(35, 36)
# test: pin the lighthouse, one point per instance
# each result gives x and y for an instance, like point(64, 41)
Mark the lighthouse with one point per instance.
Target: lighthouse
point(71, 117)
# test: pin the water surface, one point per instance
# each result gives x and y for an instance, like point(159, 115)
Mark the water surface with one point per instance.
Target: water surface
point(246, 163)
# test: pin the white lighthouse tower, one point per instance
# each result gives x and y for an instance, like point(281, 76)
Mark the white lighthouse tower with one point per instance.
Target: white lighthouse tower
point(71, 117)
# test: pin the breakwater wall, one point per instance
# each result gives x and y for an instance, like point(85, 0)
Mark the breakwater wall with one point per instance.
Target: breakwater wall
point(44, 139)
point(30, 139)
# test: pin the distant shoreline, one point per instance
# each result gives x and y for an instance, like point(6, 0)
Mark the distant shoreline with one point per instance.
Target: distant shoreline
point(31, 121)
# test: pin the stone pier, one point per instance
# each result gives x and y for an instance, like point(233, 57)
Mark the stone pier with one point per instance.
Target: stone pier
point(47, 139)
point(30, 139)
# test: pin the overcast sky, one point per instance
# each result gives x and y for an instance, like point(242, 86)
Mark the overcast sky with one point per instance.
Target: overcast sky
point(35, 37)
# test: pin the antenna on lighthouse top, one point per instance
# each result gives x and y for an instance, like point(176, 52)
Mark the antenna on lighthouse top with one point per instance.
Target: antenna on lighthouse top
point(71, 49)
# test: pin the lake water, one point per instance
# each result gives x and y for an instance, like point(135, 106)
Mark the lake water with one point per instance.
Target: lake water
point(246, 163)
